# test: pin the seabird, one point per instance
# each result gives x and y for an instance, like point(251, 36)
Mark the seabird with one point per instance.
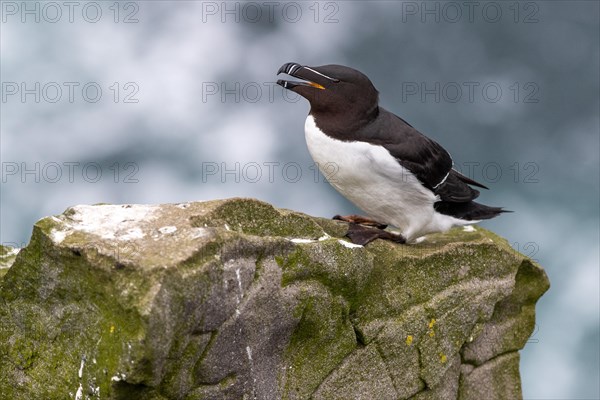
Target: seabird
point(383, 165)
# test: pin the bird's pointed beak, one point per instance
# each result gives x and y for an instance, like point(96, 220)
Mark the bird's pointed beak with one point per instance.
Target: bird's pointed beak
point(309, 76)
point(288, 68)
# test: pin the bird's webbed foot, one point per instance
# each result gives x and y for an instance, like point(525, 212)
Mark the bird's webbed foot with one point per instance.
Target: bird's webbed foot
point(363, 230)
point(359, 219)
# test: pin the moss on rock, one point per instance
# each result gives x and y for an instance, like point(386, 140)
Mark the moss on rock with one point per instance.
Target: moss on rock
point(237, 299)
point(8, 256)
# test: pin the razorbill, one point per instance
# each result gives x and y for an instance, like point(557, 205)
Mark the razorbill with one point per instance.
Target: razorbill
point(383, 165)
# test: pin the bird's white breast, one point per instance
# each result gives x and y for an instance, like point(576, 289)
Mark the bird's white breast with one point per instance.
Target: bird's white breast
point(370, 177)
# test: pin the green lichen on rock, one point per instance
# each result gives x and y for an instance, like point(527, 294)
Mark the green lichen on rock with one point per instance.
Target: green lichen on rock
point(237, 299)
point(7, 258)
point(257, 218)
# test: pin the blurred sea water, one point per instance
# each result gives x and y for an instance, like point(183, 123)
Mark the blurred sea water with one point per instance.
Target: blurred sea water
point(157, 101)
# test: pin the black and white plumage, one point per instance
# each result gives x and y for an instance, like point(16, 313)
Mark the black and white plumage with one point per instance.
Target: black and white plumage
point(387, 168)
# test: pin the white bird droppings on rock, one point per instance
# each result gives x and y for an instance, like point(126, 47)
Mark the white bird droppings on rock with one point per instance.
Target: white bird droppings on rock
point(349, 245)
point(79, 394)
point(301, 240)
point(199, 233)
point(469, 228)
point(165, 230)
point(120, 222)
point(58, 236)
point(239, 281)
point(80, 373)
point(133, 233)
point(11, 252)
point(118, 377)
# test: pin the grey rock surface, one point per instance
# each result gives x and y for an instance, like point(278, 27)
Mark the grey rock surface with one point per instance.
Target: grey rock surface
point(234, 299)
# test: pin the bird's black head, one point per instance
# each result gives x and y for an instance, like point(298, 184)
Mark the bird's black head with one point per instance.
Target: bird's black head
point(332, 90)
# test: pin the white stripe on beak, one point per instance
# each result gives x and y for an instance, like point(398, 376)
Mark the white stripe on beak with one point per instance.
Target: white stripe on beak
point(323, 75)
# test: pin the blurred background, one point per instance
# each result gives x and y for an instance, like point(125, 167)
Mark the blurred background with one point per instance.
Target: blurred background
point(154, 102)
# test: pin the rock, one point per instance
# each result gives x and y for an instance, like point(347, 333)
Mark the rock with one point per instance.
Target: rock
point(7, 258)
point(234, 299)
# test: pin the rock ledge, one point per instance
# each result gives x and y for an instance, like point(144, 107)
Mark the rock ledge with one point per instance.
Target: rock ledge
point(236, 299)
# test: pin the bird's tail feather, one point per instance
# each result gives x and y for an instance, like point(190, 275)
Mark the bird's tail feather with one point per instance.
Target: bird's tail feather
point(469, 211)
point(468, 180)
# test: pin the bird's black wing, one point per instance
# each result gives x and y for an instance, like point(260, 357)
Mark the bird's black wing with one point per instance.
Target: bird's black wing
point(427, 160)
point(454, 190)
